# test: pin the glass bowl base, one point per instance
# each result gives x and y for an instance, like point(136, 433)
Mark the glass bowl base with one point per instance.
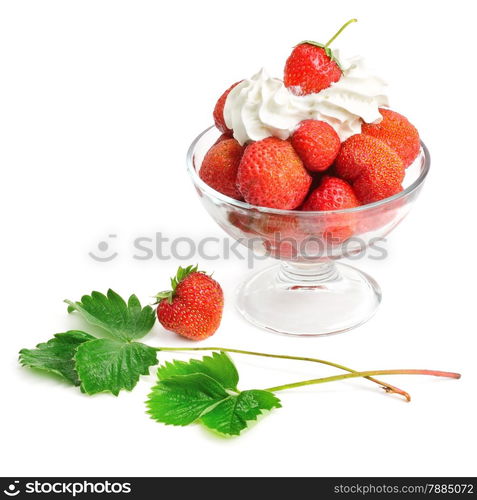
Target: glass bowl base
point(308, 299)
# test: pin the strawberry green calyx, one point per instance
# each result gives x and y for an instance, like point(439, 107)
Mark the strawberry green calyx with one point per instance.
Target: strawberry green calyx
point(182, 274)
point(326, 46)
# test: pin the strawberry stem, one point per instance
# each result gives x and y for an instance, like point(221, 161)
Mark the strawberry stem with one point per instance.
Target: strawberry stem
point(362, 374)
point(333, 38)
point(387, 387)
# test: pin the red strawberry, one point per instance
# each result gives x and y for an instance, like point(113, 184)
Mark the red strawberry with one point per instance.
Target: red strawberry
point(242, 221)
point(271, 225)
point(223, 137)
point(385, 216)
point(271, 174)
point(193, 308)
point(311, 66)
point(219, 110)
point(316, 143)
point(310, 69)
point(220, 165)
point(333, 194)
point(397, 132)
point(281, 233)
point(374, 170)
point(377, 184)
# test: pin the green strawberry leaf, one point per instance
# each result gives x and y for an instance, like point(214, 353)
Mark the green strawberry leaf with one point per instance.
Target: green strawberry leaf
point(111, 313)
point(56, 355)
point(202, 390)
point(183, 399)
point(219, 366)
point(106, 365)
point(232, 415)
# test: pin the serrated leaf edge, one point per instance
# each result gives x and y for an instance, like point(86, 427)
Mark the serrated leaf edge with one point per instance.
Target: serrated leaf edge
point(40, 345)
point(261, 413)
point(193, 361)
point(110, 294)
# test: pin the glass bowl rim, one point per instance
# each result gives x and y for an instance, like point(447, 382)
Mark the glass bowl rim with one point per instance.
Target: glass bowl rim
point(212, 193)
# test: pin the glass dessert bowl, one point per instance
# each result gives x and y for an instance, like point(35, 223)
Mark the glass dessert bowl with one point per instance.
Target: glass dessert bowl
point(307, 292)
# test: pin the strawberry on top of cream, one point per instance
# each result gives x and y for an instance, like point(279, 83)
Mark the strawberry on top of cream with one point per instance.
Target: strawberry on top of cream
point(262, 106)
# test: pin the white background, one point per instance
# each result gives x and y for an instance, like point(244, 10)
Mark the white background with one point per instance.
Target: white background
point(99, 101)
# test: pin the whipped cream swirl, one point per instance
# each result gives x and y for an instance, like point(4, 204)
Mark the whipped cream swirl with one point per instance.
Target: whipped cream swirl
point(262, 106)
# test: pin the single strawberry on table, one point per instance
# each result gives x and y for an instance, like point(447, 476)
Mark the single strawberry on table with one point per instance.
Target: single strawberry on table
point(311, 66)
point(272, 175)
point(220, 165)
point(397, 132)
point(316, 143)
point(193, 307)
